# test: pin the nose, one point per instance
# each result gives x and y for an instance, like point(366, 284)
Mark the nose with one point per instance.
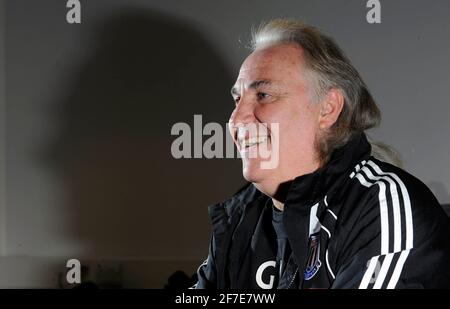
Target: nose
point(244, 113)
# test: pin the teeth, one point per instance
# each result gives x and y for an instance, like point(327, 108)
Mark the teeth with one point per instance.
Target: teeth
point(254, 141)
point(241, 133)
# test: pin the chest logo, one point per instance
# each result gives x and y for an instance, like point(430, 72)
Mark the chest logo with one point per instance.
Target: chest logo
point(313, 264)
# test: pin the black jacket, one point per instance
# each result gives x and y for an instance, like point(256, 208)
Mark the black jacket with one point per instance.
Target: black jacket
point(355, 223)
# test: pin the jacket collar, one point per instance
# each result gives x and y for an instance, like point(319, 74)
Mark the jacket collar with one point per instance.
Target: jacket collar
point(310, 187)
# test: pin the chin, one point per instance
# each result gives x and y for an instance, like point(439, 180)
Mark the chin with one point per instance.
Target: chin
point(261, 179)
point(252, 172)
point(265, 188)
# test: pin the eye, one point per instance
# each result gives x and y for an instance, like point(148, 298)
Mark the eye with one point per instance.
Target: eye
point(262, 95)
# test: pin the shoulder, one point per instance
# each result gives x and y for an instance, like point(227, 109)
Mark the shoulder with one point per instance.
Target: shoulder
point(384, 179)
point(404, 206)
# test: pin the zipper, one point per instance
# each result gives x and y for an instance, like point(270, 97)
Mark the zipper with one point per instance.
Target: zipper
point(293, 278)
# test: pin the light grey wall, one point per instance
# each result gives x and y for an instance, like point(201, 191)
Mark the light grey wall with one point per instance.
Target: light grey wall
point(88, 142)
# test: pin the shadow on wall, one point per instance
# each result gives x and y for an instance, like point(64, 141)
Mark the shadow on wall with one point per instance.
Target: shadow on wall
point(126, 196)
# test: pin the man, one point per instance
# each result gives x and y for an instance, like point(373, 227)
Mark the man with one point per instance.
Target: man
point(328, 214)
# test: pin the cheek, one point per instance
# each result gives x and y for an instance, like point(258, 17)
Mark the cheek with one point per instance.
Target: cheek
point(296, 122)
point(299, 126)
point(307, 115)
point(270, 113)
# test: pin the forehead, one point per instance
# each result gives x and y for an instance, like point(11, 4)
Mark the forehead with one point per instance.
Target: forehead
point(280, 62)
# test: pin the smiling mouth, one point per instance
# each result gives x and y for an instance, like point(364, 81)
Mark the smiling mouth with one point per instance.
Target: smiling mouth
point(251, 135)
point(253, 141)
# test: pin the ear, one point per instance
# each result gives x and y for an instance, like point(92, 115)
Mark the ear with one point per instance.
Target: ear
point(331, 108)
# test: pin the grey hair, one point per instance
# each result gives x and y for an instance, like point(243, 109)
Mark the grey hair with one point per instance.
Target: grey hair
point(327, 68)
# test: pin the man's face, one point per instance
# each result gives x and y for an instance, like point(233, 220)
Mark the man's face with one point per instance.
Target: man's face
point(271, 88)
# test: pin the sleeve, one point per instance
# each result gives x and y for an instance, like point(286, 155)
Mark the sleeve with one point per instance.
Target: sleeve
point(399, 240)
point(207, 273)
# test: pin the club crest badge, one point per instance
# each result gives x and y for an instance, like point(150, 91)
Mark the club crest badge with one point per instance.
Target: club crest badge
point(313, 263)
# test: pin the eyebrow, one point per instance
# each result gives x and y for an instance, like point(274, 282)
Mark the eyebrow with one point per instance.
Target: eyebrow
point(253, 85)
